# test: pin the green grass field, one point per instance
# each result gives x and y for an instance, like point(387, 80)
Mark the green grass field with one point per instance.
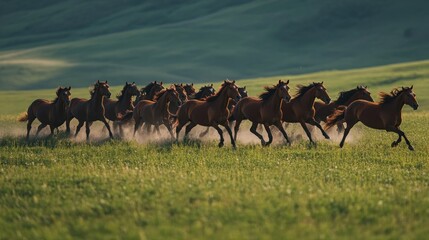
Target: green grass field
point(54, 188)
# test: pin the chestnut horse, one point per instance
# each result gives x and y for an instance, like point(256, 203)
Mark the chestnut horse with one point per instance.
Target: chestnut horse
point(156, 112)
point(48, 113)
point(323, 110)
point(88, 111)
point(384, 115)
point(301, 108)
point(211, 112)
point(189, 88)
point(266, 110)
point(149, 92)
point(116, 109)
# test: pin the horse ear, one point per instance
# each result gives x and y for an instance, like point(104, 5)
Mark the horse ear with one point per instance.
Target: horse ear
point(211, 85)
point(69, 88)
point(106, 81)
point(192, 84)
point(366, 87)
point(126, 83)
point(411, 87)
point(244, 87)
point(181, 84)
point(134, 83)
point(280, 80)
point(233, 81)
point(154, 82)
point(322, 82)
point(160, 83)
point(98, 81)
point(287, 81)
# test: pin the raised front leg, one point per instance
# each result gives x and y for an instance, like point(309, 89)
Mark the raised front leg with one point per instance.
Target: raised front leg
point(270, 135)
point(400, 133)
point(314, 123)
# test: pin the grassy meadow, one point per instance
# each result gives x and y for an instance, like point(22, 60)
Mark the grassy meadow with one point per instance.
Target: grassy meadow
point(58, 187)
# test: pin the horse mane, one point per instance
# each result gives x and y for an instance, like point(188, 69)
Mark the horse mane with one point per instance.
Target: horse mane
point(121, 93)
point(269, 91)
point(344, 96)
point(390, 97)
point(301, 89)
point(214, 97)
point(147, 88)
point(159, 94)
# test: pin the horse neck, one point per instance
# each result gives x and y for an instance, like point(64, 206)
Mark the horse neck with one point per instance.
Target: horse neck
point(126, 100)
point(398, 104)
point(308, 99)
point(59, 106)
point(97, 98)
point(151, 95)
point(222, 100)
point(161, 104)
point(275, 101)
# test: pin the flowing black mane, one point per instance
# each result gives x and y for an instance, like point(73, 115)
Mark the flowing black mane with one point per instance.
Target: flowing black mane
point(301, 89)
point(121, 94)
point(390, 97)
point(269, 91)
point(346, 95)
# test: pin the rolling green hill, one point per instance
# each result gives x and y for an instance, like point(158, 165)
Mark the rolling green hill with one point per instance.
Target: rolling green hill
point(48, 43)
point(376, 78)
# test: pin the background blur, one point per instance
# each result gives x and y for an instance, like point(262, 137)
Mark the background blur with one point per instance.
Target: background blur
point(47, 43)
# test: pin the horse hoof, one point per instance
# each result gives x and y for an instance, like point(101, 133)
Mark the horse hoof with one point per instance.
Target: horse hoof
point(220, 144)
point(394, 144)
point(411, 148)
point(327, 137)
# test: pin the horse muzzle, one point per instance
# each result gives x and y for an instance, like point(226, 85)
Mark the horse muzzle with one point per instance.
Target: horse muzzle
point(415, 106)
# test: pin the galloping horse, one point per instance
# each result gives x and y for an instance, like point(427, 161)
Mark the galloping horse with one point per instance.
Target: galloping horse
point(116, 109)
point(266, 110)
point(323, 110)
point(149, 92)
point(384, 115)
point(209, 112)
point(231, 105)
point(183, 96)
point(88, 111)
point(301, 108)
point(156, 112)
point(48, 113)
point(204, 92)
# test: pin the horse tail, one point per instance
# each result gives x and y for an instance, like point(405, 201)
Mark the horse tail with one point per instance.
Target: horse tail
point(22, 117)
point(337, 116)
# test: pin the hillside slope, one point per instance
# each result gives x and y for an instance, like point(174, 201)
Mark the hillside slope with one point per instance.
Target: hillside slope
point(47, 43)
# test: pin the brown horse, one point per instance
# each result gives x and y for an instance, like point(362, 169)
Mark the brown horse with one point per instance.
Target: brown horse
point(88, 111)
point(149, 92)
point(183, 96)
point(209, 112)
point(323, 110)
point(116, 109)
point(231, 105)
point(156, 112)
point(384, 115)
point(189, 88)
point(204, 92)
point(266, 110)
point(52, 113)
point(301, 108)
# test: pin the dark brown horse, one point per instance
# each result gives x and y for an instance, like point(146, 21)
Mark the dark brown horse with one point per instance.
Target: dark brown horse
point(266, 110)
point(183, 96)
point(231, 105)
point(189, 88)
point(149, 92)
point(156, 112)
point(301, 108)
point(88, 111)
point(212, 112)
point(204, 92)
point(52, 113)
point(116, 109)
point(384, 115)
point(323, 110)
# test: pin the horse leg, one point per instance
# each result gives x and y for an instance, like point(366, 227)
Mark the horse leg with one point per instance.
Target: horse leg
point(189, 128)
point(346, 132)
point(156, 127)
point(168, 126)
point(340, 127)
point(304, 126)
point(87, 126)
point(30, 121)
point(41, 126)
point(313, 122)
point(108, 127)
point(137, 125)
point(228, 129)
point(220, 134)
point(52, 130)
point(68, 119)
point(253, 130)
point(236, 128)
point(205, 132)
point(400, 133)
point(270, 135)
point(78, 127)
point(282, 130)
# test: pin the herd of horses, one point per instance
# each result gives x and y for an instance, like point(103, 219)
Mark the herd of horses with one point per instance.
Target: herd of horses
point(180, 105)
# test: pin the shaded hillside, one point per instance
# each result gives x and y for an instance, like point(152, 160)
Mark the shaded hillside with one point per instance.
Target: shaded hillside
point(47, 43)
